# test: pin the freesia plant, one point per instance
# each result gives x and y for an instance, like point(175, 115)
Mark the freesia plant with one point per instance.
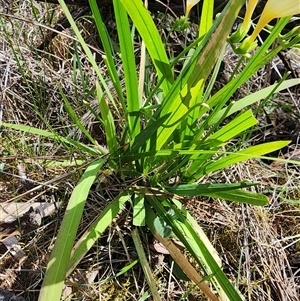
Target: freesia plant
point(189, 5)
point(172, 136)
point(273, 9)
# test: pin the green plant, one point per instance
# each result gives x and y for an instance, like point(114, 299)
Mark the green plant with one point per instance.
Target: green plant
point(178, 132)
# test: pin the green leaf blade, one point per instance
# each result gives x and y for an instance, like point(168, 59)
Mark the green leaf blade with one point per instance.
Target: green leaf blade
point(149, 33)
point(103, 221)
point(57, 266)
point(130, 76)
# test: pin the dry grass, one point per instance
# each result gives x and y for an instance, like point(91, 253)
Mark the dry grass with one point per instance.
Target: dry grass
point(259, 246)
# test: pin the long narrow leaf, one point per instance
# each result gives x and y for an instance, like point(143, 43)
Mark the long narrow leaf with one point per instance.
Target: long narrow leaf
point(109, 57)
point(57, 266)
point(108, 121)
point(85, 48)
point(252, 98)
point(74, 117)
point(145, 265)
point(240, 196)
point(201, 189)
point(230, 192)
point(139, 212)
point(253, 151)
point(44, 133)
point(149, 33)
point(88, 239)
point(190, 223)
point(238, 125)
point(147, 133)
point(234, 128)
point(206, 21)
point(130, 76)
point(173, 153)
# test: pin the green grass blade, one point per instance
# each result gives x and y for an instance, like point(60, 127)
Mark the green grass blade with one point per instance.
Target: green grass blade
point(206, 19)
point(139, 213)
point(88, 239)
point(230, 192)
point(129, 66)
point(108, 121)
point(74, 117)
point(147, 133)
point(242, 122)
point(85, 48)
point(182, 228)
point(238, 125)
point(57, 266)
point(199, 234)
point(252, 98)
point(242, 155)
point(144, 23)
point(185, 74)
point(145, 265)
point(108, 49)
point(240, 196)
point(202, 189)
point(124, 270)
point(54, 136)
point(159, 155)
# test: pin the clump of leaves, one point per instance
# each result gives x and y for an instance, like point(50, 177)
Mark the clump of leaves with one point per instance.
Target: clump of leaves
point(177, 132)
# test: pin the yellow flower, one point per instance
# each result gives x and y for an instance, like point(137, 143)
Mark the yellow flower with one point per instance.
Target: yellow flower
point(244, 28)
point(189, 5)
point(275, 9)
point(249, 12)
